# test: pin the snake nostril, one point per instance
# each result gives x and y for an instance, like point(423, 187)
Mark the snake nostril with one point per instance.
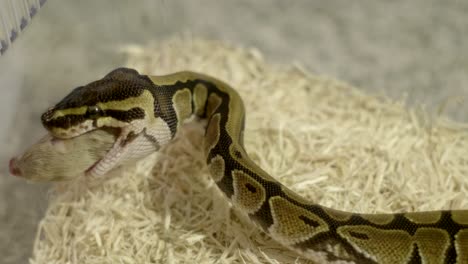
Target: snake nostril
point(47, 115)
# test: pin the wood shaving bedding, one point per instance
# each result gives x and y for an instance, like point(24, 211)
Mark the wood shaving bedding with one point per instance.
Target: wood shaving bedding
point(323, 138)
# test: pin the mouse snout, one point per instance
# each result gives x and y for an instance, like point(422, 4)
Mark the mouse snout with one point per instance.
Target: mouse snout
point(14, 170)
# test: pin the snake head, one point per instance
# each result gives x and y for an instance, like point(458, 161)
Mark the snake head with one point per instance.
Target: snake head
point(112, 101)
point(71, 122)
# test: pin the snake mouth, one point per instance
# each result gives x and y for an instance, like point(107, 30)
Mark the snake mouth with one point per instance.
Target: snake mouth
point(115, 132)
point(93, 138)
point(90, 168)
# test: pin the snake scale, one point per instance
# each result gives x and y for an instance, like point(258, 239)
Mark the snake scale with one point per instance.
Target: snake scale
point(148, 110)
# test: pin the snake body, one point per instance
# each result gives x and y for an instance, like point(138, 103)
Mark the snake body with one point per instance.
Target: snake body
point(148, 110)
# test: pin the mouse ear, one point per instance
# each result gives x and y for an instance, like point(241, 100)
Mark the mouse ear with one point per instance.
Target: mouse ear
point(122, 74)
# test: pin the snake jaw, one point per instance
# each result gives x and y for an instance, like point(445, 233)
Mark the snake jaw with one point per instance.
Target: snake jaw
point(88, 171)
point(113, 157)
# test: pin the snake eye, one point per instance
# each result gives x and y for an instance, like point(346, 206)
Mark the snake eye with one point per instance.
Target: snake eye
point(93, 111)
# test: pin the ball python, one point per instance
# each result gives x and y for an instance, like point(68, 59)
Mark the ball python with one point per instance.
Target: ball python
point(148, 110)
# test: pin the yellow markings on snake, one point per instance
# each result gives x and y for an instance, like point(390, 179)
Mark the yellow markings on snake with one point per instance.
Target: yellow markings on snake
point(217, 167)
point(431, 242)
point(70, 111)
point(461, 246)
point(288, 231)
point(424, 218)
point(235, 150)
point(249, 194)
point(212, 133)
point(182, 102)
point(378, 219)
point(214, 101)
point(200, 94)
point(109, 121)
point(336, 214)
point(145, 100)
point(368, 240)
point(236, 113)
point(382, 238)
point(461, 217)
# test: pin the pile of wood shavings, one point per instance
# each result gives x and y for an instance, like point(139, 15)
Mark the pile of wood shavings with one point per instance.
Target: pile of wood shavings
point(322, 138)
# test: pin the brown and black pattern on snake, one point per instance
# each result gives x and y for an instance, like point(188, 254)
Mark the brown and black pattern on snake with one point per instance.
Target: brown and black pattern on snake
point(310, 229)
